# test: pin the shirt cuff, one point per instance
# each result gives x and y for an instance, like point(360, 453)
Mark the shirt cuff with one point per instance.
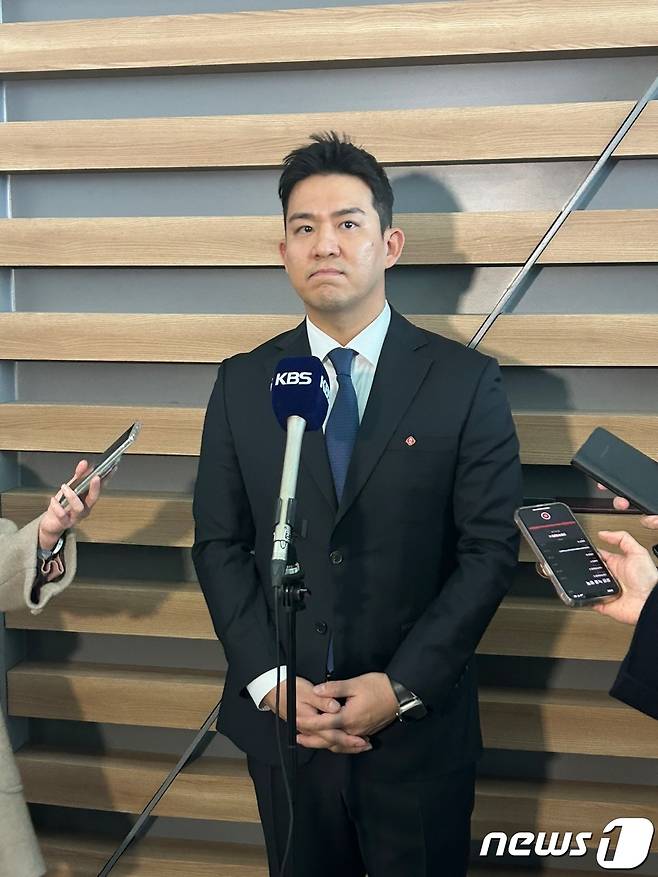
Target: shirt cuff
point(264, 684)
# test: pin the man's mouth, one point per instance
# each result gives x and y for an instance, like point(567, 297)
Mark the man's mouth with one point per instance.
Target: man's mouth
point(329, 271)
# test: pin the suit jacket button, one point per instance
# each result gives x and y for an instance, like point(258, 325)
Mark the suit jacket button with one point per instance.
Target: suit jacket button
point(336, 557)
point(321, 626)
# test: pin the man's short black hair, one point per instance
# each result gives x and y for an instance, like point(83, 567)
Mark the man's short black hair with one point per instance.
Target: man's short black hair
point(329, 153)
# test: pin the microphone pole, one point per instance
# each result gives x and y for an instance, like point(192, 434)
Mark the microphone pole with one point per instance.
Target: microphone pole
point(288, 584)
point(300, 399)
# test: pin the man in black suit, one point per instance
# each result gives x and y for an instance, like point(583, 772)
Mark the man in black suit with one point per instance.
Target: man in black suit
point(408, 545)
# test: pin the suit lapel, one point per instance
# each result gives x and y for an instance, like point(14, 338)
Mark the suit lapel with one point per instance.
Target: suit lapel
point(314, 458)
point(401, 369)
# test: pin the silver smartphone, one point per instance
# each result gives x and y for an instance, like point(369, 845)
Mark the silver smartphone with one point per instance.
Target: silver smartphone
point(565, 554)
point(109, 461)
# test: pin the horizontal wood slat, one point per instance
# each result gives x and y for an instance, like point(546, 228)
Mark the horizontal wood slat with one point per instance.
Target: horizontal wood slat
point(582, 722)
point(150, 518)
point(642, 135)
point(531, 627)
point(423, 32)
point(562, 806)
point(579, 722)
point(209, 788)
point(214, 789)
point(161, 518)
point(524, 339)
point(432, 238)
point(553, 437)
point(574, 339)
point(587, 237)
point(121, 695)
point(83, 855)
point(604, 237)
point(547, 437)
point(546, 628)
point(396, 137)
point(79, 855)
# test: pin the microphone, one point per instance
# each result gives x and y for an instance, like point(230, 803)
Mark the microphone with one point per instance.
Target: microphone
point(300, 399)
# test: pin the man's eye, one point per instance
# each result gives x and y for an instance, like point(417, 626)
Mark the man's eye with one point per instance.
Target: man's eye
point(305, 228)
point(349, 224)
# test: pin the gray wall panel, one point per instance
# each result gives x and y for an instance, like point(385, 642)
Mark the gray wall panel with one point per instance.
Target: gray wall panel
point(582, 389)
point(126, 650)
point(587, 389)
point(308, 91)
point(446, 189)
point(450, 289)
point(591, 289)
point(116, 383)
point(137, 472)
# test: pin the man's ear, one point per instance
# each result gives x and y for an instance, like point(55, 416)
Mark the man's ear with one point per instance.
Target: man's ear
point(394, 240)
point(282, 253)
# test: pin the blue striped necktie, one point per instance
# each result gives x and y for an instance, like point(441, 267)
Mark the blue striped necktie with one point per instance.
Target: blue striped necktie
point(343, 424)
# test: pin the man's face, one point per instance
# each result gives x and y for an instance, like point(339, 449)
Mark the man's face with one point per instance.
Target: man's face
point(334, 251)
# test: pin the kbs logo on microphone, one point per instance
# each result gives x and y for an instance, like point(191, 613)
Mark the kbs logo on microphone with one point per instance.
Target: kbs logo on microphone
point(293, 379)
point(634, 836)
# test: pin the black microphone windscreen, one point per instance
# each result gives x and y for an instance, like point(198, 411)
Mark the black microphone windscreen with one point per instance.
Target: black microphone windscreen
point(300, 386)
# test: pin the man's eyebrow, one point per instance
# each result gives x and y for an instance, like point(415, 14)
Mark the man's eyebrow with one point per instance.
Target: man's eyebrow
point(346, 211)
point(294, 216)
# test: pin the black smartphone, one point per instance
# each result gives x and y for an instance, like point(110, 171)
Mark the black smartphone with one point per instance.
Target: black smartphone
point(565, 554)
point(621, 468)
point(109, 461)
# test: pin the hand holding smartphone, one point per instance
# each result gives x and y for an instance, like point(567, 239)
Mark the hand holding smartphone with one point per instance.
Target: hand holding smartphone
point(108, 462)
point(566, 556)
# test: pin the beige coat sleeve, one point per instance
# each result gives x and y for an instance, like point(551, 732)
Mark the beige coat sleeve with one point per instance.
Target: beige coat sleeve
point(18, 561)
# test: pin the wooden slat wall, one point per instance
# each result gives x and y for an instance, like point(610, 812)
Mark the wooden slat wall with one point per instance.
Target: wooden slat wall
point(524, 339)
point(165, 518)
point(547, 437)
point(547, 721)
point(415, 33)
point(396, 137)
point(599, 237)
point(533, 627)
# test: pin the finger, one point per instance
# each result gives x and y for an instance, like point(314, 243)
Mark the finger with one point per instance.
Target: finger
point(80, 470)
point(60, 513)
point(649, 521)
point(338, 688)
point(601, 486)
point(622, 540)
point(75, 503)
point(320, 722)
point(620, 503)
point(335, 740)
point(323, 704)
point(94, 492)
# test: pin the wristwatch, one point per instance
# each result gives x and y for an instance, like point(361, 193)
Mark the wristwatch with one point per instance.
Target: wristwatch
point(44, 554)
point(410, 706)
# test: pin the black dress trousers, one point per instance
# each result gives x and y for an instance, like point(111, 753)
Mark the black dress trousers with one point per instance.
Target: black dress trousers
point(348, 825)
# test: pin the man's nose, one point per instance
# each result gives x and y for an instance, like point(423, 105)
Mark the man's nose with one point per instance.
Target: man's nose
point(326, 243)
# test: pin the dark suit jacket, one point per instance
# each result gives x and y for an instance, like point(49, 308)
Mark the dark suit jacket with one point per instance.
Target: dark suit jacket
point(637, 681)
point(423, 542)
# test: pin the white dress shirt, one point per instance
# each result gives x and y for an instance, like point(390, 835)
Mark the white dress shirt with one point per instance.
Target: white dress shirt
point(368, 345)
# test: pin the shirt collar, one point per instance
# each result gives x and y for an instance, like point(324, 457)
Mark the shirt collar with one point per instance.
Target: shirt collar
point(368, 343)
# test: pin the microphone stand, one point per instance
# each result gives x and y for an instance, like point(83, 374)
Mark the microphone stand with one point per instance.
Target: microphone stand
point(291, 595)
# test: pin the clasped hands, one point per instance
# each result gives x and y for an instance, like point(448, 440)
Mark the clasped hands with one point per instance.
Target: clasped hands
point(322, 723)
